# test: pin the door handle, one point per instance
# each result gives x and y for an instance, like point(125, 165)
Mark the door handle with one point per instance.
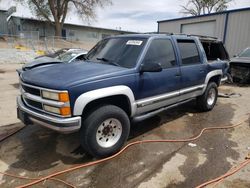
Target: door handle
point(177, 75)
point(202, 70)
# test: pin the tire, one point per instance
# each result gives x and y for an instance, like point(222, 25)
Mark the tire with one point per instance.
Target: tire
point(104, 131)
point(207, 101)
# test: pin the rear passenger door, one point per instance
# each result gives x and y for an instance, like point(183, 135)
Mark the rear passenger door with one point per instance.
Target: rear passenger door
point(193, 70)
point(154, 87)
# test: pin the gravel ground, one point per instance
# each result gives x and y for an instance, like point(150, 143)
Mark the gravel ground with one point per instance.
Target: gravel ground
point(14, 56)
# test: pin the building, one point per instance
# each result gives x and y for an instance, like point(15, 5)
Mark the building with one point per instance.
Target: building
point(37, 29)
point(3, 22)
point(232, 27)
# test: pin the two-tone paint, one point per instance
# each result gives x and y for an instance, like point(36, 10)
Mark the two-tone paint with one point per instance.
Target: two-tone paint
point(145, 92)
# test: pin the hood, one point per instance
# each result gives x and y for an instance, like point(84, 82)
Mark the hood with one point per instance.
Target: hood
point(240, 60)
point(40, 61)
point(63, 76)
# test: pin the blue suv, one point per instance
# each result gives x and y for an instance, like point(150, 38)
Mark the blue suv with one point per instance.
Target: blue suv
point(123, 78)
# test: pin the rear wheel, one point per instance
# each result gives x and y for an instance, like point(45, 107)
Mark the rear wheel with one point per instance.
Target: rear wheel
point(207, 101)
point(104, 131)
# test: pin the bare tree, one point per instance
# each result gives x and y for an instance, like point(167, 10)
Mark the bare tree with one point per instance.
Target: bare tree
point(198, 7)
point(55, 11)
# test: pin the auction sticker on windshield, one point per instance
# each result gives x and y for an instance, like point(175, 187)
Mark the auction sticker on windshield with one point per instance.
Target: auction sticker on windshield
point(134, 42)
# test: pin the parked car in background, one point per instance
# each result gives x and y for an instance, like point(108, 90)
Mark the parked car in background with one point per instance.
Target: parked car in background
point(60, 56)
point(123, 78)
point(58, 52)
point(240, 66)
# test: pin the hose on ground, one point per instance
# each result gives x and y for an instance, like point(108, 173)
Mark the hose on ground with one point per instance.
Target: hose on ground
point(28, 178)
point(125, 148)
point(231, 172)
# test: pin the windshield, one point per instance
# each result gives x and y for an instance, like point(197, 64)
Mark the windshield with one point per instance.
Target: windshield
point(123, 51)
point(67, 56)
point(245, 53)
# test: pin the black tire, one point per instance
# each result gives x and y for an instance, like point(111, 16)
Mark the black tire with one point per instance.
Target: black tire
point(203, 102)
point(94, 122)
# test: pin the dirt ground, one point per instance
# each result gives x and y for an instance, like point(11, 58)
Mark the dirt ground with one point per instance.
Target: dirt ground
point(9, 90)
point(36, 151)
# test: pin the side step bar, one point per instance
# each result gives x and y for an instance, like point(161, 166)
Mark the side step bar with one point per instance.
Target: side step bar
point(153, 113)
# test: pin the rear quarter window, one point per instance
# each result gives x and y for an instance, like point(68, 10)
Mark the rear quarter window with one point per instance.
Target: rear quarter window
point(189, 52)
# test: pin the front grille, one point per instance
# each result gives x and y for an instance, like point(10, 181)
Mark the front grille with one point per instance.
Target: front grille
point(34, 104)
point(31, 96)
point(31, 90)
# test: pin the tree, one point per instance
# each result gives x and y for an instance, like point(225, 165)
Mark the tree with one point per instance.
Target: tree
point(55, 11)
point(198, 7)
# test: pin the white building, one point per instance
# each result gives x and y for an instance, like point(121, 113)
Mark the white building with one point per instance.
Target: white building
point(232, 27)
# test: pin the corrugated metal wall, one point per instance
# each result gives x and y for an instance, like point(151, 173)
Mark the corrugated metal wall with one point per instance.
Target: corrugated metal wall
point(237, 33)
point(175, 26)
point(3, 23)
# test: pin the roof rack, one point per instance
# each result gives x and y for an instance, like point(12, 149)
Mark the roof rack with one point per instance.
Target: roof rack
point(188, 35)
point(203, 36)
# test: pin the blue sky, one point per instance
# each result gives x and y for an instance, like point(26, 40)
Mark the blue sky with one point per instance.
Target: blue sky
point(132, 15)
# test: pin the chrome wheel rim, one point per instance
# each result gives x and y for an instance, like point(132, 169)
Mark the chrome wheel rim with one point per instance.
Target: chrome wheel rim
point(109, 132)
point(211, 96)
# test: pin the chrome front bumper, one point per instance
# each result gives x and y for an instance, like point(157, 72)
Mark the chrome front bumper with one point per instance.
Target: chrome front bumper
point(63, 125)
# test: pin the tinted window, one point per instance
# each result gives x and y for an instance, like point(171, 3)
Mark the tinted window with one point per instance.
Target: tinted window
point(189, 52)
point(120, 51)
point(161, 51)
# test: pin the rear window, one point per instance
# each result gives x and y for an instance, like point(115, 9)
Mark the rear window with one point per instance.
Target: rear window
point(215, 50)
point(189, 52)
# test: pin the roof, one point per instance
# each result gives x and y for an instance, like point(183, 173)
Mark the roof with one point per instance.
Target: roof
point(2, 10)
point(35, 19)
point(205, 15)
point(175, 35)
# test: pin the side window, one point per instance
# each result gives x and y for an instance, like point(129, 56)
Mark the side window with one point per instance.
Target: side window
point(189, 52)
point(161, 51)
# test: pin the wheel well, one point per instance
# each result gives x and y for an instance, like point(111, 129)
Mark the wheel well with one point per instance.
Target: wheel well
point(121, 101)
point(216, 79)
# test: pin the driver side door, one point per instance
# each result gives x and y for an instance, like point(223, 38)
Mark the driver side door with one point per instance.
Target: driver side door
point(158, 89)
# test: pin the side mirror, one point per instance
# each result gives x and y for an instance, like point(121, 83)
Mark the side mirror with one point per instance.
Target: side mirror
point(150, 67)
point(235, 55)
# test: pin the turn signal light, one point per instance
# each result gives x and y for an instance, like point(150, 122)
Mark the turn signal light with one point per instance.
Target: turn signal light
point(65, 111)
point(63, 97)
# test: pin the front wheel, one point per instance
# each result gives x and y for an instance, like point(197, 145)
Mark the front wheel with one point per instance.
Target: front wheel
point(104, 131)
point(207, 101)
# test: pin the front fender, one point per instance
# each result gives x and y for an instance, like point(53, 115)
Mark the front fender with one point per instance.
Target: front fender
point(90, 96)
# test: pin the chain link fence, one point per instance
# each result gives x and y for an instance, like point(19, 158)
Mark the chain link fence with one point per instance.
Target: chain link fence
point(30, 40)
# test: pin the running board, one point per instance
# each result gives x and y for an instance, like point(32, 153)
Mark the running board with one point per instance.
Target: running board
point(153, 113)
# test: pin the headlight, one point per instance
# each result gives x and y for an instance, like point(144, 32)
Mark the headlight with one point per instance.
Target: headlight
point(51, 109)
point(63, 111)
point(62, 96)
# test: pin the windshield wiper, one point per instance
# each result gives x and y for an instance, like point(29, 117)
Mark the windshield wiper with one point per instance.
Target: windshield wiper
point(103, 59)
point(108, 61)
